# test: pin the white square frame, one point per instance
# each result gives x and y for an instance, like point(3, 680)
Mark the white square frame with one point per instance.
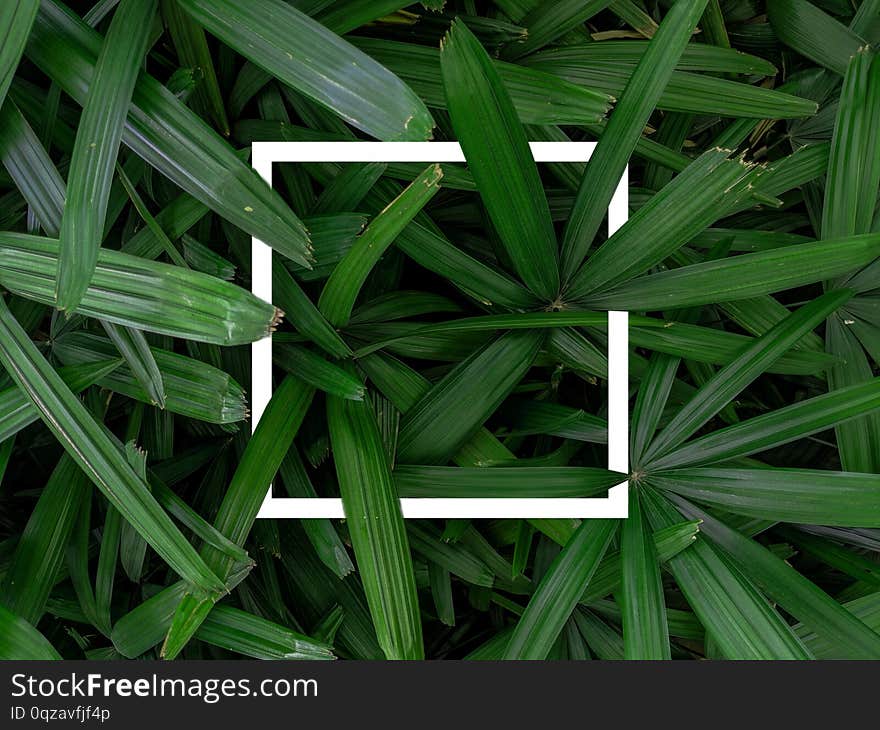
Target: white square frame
point(615, 505)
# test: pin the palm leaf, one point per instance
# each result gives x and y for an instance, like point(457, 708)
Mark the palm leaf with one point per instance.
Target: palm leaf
point(376, 527)
point(16, 17)
point(301, 52)
point(500, 160)
point(624, 128)
point(97, 144)
point(95, 453)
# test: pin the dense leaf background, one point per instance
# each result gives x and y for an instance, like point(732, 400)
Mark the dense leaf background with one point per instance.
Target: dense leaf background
point(439, 329)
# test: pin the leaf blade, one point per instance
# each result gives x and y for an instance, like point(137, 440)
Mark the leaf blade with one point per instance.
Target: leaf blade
point(71, 423)
point(367, 96)
point(624, 128)
point(345, 282)
point(500, 160)
point(376, 527)
point(645, 628)
point(431, 431)
point(97, 144)
point(557, 595)
point(16, 17)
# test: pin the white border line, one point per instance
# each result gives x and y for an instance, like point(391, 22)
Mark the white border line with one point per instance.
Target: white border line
point(615, 505)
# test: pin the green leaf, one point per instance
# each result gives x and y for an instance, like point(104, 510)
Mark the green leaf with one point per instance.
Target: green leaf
point(812, 496)
point(401, 304)
point(134, 292)
point(645, 631)
point(493, 648)
point(402, 339)
point(19, 640)
point(521, 320)
point(865, 22)
point(459, 561)
point(78, 556)
point(612, 54)
point(668, 542)
point(332, 237)
point(440, 581)
point(483, 550)
point(558, 592)
point(105, 574)
point(751, 363)
point(689, 204)
point(304, 315)
point(781, 426)
point(167, 246)
point(853, 180)
point(376, 527)
point(623, 130)
point(16, 17)
point(534, 417)
point(538, 97)
point(146, 625)
point(798, 595)
point(633, 15)
point(169, 136)
point(342, 288)
point(316, 371)
point(193, 521)
point(454, 409)
point(260, 461)
point(685, 91)
point(201, 258)
point(575, 351)
point(193, 52)
point(865, 609)
point(718, 347)
point(95, 453)
point(31, 168)
point(17, 410)
point(348, 188)
point(189, 615)
point(741, 277)
point(193, 388)
point(604, 641)
point(815, 34)
point(39, 554)
point(320, 590)
point(6, 449)
point(327, 629)
point(97, 144)
point(244, 633)
point(847, 561)
point(428, 248)
point(854, 166)
point(736, 616)
point(175, 220)
point(304, 54)
point(258, 465)
point(344, 16)
point(405, 387)
point(500, 160)
point(859, 440)
point(550, 20)
point(514, 481)
point(135, 350)
point(800, 167)
point(713, 25)
point(321, 534)
point(650, 403)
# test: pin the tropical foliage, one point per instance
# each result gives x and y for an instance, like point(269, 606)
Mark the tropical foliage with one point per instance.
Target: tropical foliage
point(439, 329)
